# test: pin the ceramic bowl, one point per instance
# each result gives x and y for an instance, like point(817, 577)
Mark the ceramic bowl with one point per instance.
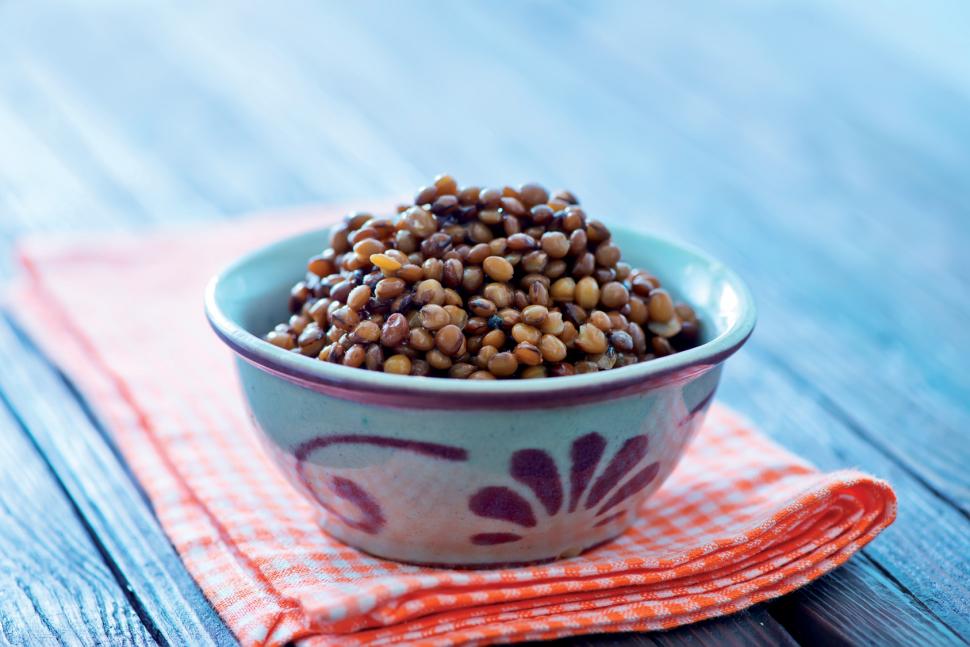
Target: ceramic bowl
point(476, 473)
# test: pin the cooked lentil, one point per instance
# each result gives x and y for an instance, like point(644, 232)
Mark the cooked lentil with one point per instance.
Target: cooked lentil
point(480, 283)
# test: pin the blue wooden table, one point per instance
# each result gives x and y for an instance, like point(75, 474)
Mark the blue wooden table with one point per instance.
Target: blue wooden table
point(822, 149)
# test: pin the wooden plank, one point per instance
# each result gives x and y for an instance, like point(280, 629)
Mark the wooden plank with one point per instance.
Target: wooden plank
point(102, 490)
point(750, 628)
point(923, 554)
point(54, 585)
point(858, 607)
point(114, 509)
point(126, 180)
point(217, 151)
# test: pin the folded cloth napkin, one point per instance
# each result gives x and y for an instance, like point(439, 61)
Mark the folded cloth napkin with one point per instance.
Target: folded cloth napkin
point(739, 521)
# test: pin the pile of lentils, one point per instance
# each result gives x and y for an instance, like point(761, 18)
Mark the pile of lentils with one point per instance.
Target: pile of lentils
point(474, 283)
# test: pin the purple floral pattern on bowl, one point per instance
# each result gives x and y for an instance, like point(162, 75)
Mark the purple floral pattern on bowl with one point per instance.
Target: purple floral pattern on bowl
point(370, 518)
point(595, 499)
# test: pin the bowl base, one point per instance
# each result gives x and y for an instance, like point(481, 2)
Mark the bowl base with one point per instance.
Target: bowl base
point(484, 566)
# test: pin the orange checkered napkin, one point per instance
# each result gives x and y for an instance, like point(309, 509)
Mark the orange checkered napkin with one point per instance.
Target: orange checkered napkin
point(738, 522)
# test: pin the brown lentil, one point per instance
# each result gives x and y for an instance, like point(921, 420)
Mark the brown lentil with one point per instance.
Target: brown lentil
point(461, 370)
point(665, 328)
point(450, 340)
point(490, 197)
point(591, 339)
point(552, 324)
point(494, 338)
point(311, 341)
point(661, 347)
point(509, 317)
point(584, 265)
point(660, 306)
point(452, 272)
point(368, 247)
point(345, 318)
point(482, 307)
point(503, 364)
point(485, 354)
point(587, 292)
point(457, 316)
point(420, 339)
point(525, 333)
point(578, 242)
point(354, 357)
point(472, 279)
point(555, 244)
point(358, 297)
point(533, 194)
point(420, 367)
point(429, 291)
point(614, 295)
point(398, 364)
point(320, 265)
point(601, 320)
point(367, 331)
point(498, 268)
point(642, 285)
point(563, 290)
point(607, 255)
point(539, 294)
point(395, 330)
point(562, 369)
point(637, 310)
point(438, 360)
point(333, 353)
point(534, 262)
point(498, 293)
point(552, 348)
point(298, 323)
point(533, 372)
point(386, 263)
point(528, 354)
point(389, 288)
point(555, 269)
point(374, 357)
point(281, 339)
point(434, 317)
point(685, 312)
point(522, 243)
point(445, 184)
point(479, 283)
point(534, 315)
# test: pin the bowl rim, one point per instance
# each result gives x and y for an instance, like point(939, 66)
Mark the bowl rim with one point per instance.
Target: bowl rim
point(407, 389)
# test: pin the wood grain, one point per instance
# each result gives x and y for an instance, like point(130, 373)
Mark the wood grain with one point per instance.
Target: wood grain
point(102, 490)
point(858, 608)
point(54, 586)
point(749, 628)
point(924, 553)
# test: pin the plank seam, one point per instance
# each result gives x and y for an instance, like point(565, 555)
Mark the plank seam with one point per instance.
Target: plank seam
point(122, 582)
point(853, 426)
point(902, 587)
